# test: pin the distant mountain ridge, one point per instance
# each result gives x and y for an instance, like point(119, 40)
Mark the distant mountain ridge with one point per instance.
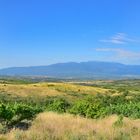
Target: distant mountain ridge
point(91, 69)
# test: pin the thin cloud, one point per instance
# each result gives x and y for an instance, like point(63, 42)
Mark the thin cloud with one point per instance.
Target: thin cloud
point(119, 38)
point(121, 53)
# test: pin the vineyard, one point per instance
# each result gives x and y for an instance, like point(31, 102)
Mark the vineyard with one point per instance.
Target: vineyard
point(86, 100)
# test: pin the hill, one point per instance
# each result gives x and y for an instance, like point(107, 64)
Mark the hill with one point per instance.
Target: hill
point(91, 69)
point(81, 110)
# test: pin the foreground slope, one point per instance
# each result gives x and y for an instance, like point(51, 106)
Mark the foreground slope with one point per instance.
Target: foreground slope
point(52, 126)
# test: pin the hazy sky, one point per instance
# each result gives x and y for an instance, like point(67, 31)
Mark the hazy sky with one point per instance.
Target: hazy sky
point(41, 32)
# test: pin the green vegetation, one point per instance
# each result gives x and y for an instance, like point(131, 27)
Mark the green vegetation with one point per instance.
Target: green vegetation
point(116, 100)
point(93, 106)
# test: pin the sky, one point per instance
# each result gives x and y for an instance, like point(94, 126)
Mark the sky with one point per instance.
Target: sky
point(43, 32)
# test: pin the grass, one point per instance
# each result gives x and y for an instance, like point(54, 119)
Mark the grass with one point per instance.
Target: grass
point(28, 90)
point(48, 89)
point(53, 126)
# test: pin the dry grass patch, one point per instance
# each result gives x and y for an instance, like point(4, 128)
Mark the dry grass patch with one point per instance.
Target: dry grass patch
point(52, 126)
point(28, 90)
point(69, 87)
point(48, 89)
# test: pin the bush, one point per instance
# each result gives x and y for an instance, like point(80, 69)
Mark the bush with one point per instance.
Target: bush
point(80, 108)
point(7, 112)
point(91, 107)
point(59, 105)
point(13, 111)
point(100, 106)
point(12, 114)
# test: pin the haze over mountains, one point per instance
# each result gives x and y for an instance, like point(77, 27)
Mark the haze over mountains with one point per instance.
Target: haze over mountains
point(91, 69)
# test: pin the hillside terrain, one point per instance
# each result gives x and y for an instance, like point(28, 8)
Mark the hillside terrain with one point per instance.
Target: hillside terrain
point(82, 110)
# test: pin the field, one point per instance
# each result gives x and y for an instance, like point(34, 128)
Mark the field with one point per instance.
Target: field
point(69, 110)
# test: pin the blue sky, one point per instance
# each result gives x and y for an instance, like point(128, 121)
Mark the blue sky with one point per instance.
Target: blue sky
point(42, 32)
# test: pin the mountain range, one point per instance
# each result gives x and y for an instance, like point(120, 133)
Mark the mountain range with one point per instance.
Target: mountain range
point(90, 69)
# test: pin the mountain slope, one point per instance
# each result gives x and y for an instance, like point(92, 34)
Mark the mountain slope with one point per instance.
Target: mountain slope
point(90, 69)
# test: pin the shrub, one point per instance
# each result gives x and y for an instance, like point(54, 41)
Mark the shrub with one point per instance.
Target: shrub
point(80, 108)
point(91, 107)
point(58, 105)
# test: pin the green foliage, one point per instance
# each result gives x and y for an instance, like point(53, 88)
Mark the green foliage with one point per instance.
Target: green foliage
point(130, 109)
point(14, 109)
point(58, 105)
point(90, 107)
point(79, 108)
point(101, 105)
point(25, 111)
point(12, 114)
point(6, 112)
